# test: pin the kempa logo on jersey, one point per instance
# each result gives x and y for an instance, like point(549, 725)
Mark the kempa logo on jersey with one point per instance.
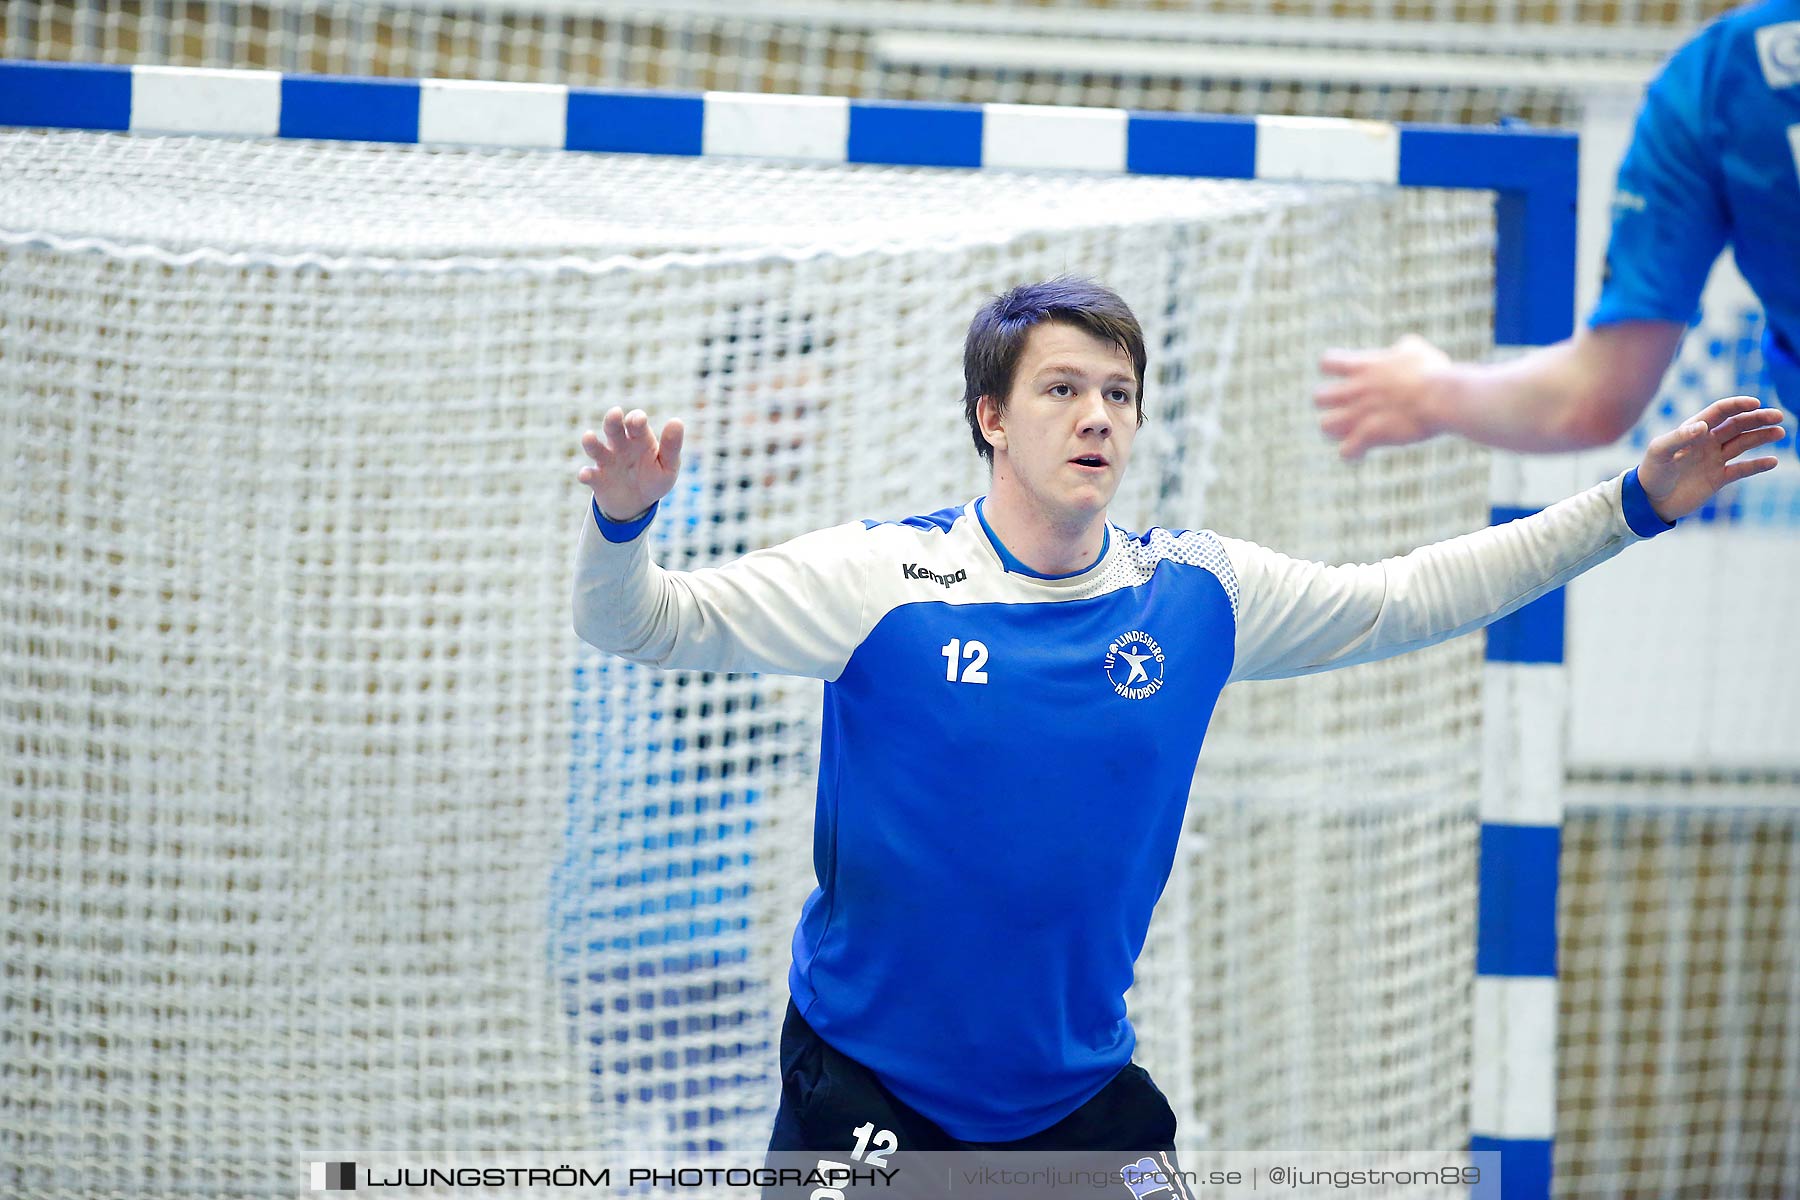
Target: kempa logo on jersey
point(1134, 665)
point(915, 571)
point(1778, 46)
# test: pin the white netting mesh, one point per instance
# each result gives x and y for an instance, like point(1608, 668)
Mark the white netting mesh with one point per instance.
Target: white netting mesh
point(1680, 914)
point(1679, 1062)
point(1423, 60)
point(323, 830)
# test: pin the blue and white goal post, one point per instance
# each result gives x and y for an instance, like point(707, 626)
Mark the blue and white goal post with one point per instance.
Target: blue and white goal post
point(1532, 174)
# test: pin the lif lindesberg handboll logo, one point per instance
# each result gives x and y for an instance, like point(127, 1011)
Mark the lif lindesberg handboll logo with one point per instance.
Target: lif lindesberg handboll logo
point(1134, 665)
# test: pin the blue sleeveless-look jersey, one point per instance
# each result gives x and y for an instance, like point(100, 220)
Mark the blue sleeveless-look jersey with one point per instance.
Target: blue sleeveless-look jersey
point(1715, 159)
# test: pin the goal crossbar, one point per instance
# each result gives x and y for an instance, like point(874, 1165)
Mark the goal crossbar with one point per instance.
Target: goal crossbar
point(1533, 173)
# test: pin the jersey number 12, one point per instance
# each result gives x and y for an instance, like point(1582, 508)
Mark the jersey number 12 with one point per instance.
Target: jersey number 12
point(955, 650)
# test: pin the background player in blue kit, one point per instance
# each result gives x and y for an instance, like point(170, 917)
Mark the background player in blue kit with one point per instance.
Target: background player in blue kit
point(1714, 160)
point(1016, 693)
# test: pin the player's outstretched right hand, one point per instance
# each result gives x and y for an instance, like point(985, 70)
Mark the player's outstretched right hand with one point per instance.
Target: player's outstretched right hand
point(633, 468)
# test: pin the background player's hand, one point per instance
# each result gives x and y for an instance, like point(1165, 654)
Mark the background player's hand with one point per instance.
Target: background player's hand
point(1381, 397)
point(633, 468)
point(1683, 468)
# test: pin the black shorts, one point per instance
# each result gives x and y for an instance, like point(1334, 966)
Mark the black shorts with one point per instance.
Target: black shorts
point(834, 1109)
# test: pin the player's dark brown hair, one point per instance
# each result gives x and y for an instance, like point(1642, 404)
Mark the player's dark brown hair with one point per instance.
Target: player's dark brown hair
point(998, 332)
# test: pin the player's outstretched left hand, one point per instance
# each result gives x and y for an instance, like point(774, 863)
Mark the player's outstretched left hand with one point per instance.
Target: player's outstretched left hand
point(1683, 468)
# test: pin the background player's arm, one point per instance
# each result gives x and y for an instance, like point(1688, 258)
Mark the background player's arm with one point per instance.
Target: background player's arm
point(792, 609)
point(1670, 221)
point(1297, 617)
point(1587, 390)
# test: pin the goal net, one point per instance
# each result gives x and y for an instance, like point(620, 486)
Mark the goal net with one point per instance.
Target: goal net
point(1548, 62)
point(323, 830)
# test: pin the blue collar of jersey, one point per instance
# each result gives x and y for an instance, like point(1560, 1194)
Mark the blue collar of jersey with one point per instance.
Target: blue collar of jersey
point(1015, 567)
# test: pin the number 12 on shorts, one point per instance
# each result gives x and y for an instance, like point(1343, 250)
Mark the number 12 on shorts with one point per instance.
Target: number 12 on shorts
point(875, 1156)
point(971, 656)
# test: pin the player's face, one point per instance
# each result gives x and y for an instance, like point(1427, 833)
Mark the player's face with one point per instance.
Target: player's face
point(1064, 437)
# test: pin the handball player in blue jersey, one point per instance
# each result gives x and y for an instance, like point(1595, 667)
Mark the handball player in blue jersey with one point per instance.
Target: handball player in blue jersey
point(1015, 695)
point(1714, 161)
